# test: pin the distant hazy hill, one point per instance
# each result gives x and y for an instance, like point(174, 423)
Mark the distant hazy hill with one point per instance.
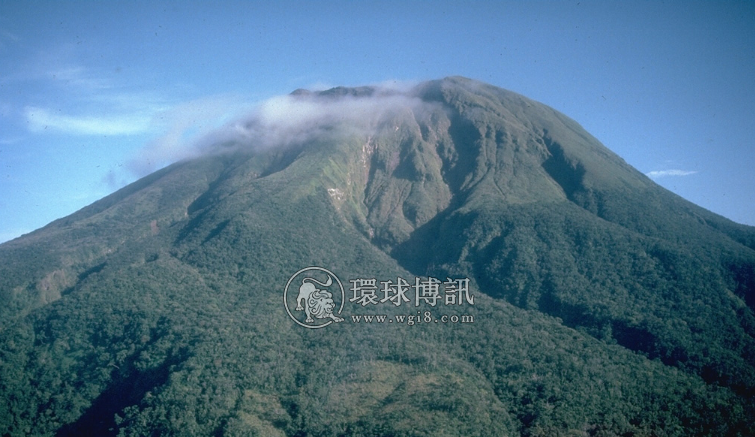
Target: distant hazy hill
point(604, 305)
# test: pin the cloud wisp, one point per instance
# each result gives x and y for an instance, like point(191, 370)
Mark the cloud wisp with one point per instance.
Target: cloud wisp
point(41, 119)
point(664, 173)
point(67, 98)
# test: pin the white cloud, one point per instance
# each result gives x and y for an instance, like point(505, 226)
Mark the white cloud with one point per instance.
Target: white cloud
point(63, 96)
point(215, 124)
point(288, 119)
point(41, 119)
point(101, 107)
point(663, 173)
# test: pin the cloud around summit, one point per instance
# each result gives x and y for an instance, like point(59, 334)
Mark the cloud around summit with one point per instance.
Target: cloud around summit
point(180, 128)
point(276, 122)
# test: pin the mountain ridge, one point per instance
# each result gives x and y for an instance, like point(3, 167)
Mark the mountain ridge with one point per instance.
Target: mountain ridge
point(589, 280)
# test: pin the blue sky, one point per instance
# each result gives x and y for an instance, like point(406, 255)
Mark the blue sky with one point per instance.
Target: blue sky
point(94, 95)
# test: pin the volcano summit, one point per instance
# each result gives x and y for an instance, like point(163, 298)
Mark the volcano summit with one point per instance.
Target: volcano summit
point(597, 302)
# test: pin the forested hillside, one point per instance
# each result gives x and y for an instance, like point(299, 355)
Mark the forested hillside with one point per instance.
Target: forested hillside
point(603, 304)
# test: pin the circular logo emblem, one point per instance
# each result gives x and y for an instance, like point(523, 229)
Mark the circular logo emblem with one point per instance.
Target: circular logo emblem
point(314, 297)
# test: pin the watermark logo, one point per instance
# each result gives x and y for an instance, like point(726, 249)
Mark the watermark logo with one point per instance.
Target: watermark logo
point(311, 297)
point(313, 293)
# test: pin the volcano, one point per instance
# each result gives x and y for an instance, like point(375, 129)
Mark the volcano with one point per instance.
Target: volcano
point(496, 270)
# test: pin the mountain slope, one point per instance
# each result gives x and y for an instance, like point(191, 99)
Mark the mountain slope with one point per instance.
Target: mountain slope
point(604, 305)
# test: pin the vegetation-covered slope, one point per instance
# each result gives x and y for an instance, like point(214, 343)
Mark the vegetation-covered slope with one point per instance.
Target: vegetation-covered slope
point(604, 305)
